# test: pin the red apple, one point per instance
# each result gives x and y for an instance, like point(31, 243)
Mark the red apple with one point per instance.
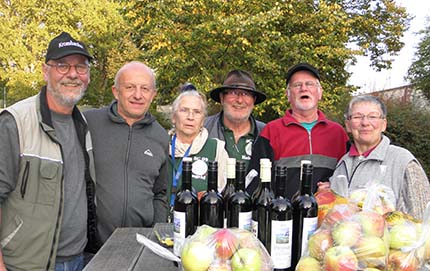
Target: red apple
point(340, 258)
point(226, 243)
point(401, 261)
point(338, 213)
point(346, 233)
point(325, 197)
point(371, 251)
point(307, 263)
point(246, 259)
point(403, 235)
point(318, 244)
point(372, 223)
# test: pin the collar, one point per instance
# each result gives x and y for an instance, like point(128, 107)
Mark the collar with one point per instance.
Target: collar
point(288, 118)
point(376, 153)
point(253, 131)
point(353, 152)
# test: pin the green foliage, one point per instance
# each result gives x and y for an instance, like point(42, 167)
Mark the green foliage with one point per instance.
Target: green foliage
point(419, 71)
point(29, 25)
point(408, 127)
point(200, 41)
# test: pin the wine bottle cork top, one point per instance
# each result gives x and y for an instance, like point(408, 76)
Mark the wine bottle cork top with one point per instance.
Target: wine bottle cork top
point(231, 168)
point(265, 169)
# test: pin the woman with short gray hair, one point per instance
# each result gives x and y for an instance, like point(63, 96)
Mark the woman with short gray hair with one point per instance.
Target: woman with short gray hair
point(373, 158)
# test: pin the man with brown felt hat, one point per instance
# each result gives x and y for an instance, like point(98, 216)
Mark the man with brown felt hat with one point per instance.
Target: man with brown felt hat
point(234, 124)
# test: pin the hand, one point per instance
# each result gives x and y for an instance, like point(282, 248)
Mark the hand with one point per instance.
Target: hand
point(323, 186)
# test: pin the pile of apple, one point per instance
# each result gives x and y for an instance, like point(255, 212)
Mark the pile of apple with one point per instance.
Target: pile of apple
point(326, 199)
point(409, 242)
point(375, 197)
point(224, 250)
point(380, 197)
point(348, 239)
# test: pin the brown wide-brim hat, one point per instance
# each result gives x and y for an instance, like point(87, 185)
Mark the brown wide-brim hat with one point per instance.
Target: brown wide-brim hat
point(238, 79)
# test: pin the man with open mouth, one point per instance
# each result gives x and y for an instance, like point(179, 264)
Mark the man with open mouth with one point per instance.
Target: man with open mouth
point(303, 133)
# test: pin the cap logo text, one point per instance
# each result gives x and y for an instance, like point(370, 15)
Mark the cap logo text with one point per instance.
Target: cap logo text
point(70, 43)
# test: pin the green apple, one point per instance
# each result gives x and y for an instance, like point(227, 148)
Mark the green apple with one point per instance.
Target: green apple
point(307, 263)
point(318, 244)
point(371, 223)
point(203, 232)
point(371, 251)
point(196, 256)
point(346, 233)
point(340, 258)
point(246, 259)
point(403, 235)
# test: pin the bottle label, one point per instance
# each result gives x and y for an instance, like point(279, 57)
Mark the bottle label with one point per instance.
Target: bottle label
point(309, 227)
point(245, 219)
point(178, 232)
point(282, 238)
point(254, 225)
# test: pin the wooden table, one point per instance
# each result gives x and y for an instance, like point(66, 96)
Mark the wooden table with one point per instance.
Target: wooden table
point(122, 252)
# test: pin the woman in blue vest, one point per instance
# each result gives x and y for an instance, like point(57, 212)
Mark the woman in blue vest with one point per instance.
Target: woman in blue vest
point(190, 139)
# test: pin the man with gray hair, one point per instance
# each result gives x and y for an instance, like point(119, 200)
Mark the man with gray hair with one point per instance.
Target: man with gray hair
point(130, 152)
point(46, 170)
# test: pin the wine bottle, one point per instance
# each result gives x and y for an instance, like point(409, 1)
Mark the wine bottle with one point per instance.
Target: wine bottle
point(185, 208)
point(297, 194)
point(240, 214)
point(305, 214)
point(261, 204)
point(229, 188)
point(281, 219)
point(211, 203)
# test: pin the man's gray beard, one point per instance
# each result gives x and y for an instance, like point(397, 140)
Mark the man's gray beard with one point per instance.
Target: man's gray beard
point(66, 101)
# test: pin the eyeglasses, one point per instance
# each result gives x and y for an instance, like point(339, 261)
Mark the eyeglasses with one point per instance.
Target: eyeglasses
point(237, 93)
point(372, 118)
point(309, 84)
point(64, 68)
point(188, 111)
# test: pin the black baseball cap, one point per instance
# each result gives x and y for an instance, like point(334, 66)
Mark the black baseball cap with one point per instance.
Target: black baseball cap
point(64, 45)
point(302, 67)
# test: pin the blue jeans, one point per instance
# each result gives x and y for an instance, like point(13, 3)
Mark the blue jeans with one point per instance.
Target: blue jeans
point(75, 264)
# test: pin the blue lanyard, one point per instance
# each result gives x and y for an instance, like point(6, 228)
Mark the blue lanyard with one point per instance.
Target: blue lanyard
point(176, 173)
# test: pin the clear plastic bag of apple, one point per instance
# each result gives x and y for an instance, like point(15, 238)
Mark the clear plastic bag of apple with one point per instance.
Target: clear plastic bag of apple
point(348, 239)
point(224, 249)
point(380, 197)
point(409, 241)
point(326, 199)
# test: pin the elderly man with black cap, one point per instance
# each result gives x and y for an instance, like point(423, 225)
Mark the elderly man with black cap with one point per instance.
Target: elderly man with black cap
point(303, 133)
point(46, 170)
point(234, 124)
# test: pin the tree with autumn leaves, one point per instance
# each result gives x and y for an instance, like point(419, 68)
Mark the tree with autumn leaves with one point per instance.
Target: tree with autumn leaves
point(200, 41)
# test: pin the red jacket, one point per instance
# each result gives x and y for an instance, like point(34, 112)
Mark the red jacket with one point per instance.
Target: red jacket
point(286, 142)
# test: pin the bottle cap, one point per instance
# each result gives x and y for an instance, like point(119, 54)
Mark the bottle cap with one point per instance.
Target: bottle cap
point(265, 169)
point(231, 168)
